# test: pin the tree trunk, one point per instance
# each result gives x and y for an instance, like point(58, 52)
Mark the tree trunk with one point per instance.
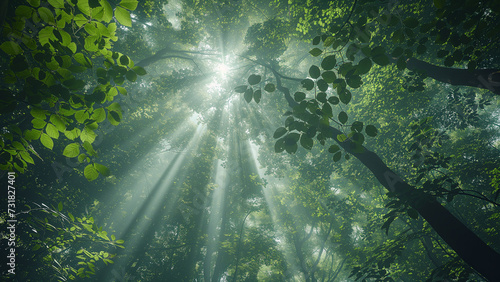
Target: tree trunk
point(481, 78)
point(461, 239)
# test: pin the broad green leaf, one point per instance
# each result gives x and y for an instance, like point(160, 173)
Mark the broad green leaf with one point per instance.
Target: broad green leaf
point(328, 62)
point(139, 70)
point(337, 156)
point(343, 117)
point(341, 137)
point(124, 60)
point(381, 60)
point(90, 172)
point(333, 149)
point(307, 83)
point(52, 131)
point(60, 206)
point(371, 130)
point(72, 134)
point(299, 96)
point(329, 76)
point(270, 87)
point(315, 52)
point(38, 123)
point(47, 141)
point(254, 79)
point(57, 3)
point(131, 75)
point(345, 96)
point(36, 3)
point(11, 48)
point(257, 96)
point(314, 71)
point(26, 156)
point(81, 158)
point(32, 134)
point(248, 95)
point(306, 141)
point(123, 16)
point(99, 115)
point(364, 66)
point(279, 132)
point(129, 4)
point(102, 169)
point(38, 113)
point(72, 150)
point(46, 15)
point(357, 126)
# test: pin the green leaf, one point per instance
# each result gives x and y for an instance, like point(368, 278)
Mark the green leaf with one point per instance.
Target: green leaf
point(57, 3)
point(341, 137)
point(248, 95)
point(343, 117)
point(328, 62)
point(99, 115)
point(371, 130)
point(307, 83)
point(32, 134)
point(47, 141)
point(279, 132)
point(257, 95)
point(364, 66)
point(90, 172)
point(314, 71)
point(381, 60)
point(58, 122)
point(139, 70)
point(270, 87)
point(357, 126)
point(123, 16)
point(46, 15)
point(333, 149)
point(329, 76)
point(337, 156)
point(26, 156)
point(115, 116)
point(36, 3)
point(52, 131)
point(120, 241)
point(60, 206)
point(345, 96)
point(315, 52)
point(299, 96)
point(11, 48)
point(124, 60)
point(254, 79)
point(131, 75)
point(102, 169)
point(72, 150)
point(129, 4)
point(241, 89)
point(306, 141)
point(38, 113)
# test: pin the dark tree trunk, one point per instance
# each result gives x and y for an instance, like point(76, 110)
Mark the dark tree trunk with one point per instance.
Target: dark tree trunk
point(481, 78)
point(460, 238)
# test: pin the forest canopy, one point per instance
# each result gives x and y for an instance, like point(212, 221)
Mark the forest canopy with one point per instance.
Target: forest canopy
point(250, 140)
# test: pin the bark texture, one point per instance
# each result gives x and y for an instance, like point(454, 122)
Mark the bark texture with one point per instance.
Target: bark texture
point(481, 78)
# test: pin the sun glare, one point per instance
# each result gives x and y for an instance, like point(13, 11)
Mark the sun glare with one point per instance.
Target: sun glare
point(222, 70)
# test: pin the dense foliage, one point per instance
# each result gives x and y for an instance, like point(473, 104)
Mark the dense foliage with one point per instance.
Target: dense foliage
point(250, 140)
